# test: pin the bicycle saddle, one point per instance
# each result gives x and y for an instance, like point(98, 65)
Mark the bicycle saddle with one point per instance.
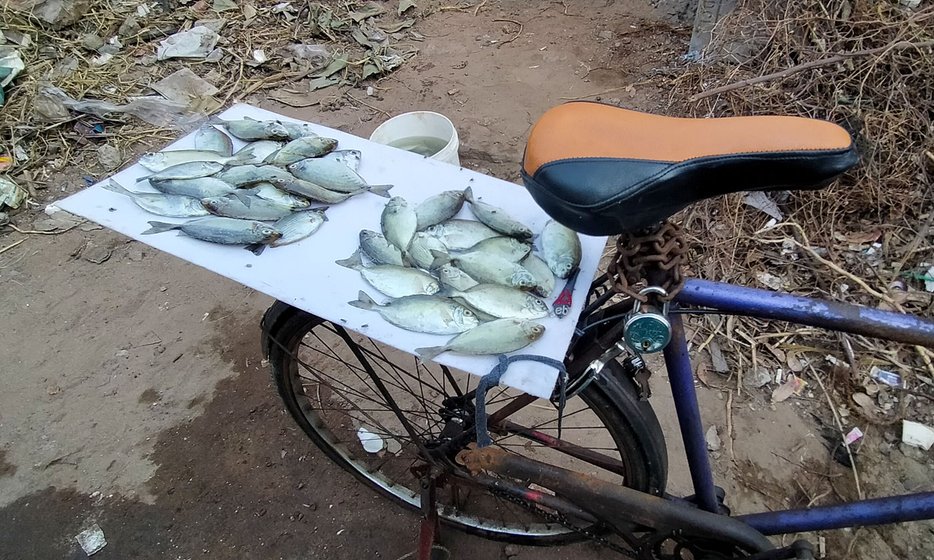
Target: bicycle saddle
point(602, 170)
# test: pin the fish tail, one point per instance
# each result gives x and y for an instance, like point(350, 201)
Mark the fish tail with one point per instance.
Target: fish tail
point(116, 187)
point(246, 154)
point(380, 190)
point(354, 261)
point(430, 352)
point(256, 248)
point(141, 179)
point(216, 120)
point(159, 227)
point(441, 258)
point(468, 195)
point(363, 301)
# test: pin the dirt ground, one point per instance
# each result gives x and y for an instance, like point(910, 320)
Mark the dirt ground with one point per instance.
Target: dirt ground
point(135, 396)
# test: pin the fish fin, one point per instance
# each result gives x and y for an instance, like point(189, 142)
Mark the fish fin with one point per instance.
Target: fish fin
point(245, 196)
point(430, 352)
point(363, 301)
point(246, 154)
point(272, 155)
point(321, 210)
point(354, 261)
point(159, 227)
point(379, 190)
point(216, 120)
point(256, 248)
point(116, 187)
point(440, 259)
point(468, 195)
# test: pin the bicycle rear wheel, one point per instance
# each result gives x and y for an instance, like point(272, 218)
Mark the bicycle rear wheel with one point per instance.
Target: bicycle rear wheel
point(325, 375)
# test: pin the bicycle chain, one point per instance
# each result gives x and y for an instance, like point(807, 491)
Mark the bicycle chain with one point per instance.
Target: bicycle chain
point(654, 257)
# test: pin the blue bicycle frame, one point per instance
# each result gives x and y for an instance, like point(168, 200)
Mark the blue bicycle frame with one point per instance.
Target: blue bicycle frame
point(841, 317)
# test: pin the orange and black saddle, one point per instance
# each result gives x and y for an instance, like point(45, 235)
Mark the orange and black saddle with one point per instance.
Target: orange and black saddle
point(603, 170)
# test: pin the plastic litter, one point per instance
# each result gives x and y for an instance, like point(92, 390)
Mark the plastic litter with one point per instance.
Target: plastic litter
point(197, 42)
point(761, 202)
point(11, 194)
point(929, 280)
point(11, 64)
point(91, 540)
point(890, 378)
point(309, 56)
point(371, 442)
point(916, 434)
point(184, 86)
point(794, 385)
point(154, 110)
point(853, 436)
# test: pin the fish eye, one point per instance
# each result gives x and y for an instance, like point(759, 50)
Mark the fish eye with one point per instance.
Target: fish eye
point(468, 312)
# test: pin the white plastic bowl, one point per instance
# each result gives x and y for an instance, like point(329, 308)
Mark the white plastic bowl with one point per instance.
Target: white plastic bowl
point(421, 124)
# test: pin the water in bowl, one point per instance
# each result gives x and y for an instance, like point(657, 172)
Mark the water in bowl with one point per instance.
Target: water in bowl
point(422, 145)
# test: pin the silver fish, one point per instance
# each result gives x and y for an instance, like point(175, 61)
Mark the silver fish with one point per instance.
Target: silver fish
point(502, 302)
point(190, 170)
point(228, 231)
point(243, 175)
point(420, 252)
point(508, 248)
point(170, 205)
point(439, 208)
point(544, 278)
point(458, 235)
point(378, 250)
point(302, 148)
point(257, 209)
point(496, 337)
point(424, 314)
point(203, 187)
point(259, 150)
point(454, 278)
point(295, 227)
point(561, 248)
point(308, 189)
point(159, 161)
point(211, 139)
point(271, 192)
point(398, 222)
point(489, 269)
point(252, 129)
point(297, 130)
point(350, 158)
point(497, 218)
point(330, 174)
point(394, 281)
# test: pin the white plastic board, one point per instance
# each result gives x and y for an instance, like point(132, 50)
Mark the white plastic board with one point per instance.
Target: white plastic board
point(304, 274)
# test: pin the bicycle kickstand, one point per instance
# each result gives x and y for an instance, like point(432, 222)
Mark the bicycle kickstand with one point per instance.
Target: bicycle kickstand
point(430, 529)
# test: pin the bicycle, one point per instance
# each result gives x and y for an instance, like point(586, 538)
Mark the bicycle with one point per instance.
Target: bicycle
point(598, 469)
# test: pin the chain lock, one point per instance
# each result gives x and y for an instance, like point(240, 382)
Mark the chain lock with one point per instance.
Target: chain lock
point(647, 328)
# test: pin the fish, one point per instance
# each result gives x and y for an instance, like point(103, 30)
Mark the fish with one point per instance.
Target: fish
point(398, 222)
point(269, 191)
point(252, 129)
point(203, 187)
point(489, 269)
point(350, 158)
point(297, 130)
point(209, 138)
point(496, 337)
point(331, 174)
point(497, 218)
point(458, 235)
point(501, 301)
point(544, 278)
point(258, 209)
point(378, 250)
point(301, 148)
point(260, 150)
point(227, 231)
point(420, 250)
point(454, 278)
point(561, 248)
point(308, 189)
point(294, 227)
point(394, 281)
point(244, 175)
point(508, 248)
point(439, 208)
point(169, 205)
point(159, 161)
point(420, 313)
point(190, 170)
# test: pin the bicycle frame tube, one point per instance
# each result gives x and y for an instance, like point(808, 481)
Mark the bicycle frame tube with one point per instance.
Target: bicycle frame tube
point(835, 316)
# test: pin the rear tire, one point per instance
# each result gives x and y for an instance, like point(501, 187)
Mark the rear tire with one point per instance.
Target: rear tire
point(288, 336)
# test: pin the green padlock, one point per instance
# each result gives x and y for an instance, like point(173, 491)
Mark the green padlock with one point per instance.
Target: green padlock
point(647, 329)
